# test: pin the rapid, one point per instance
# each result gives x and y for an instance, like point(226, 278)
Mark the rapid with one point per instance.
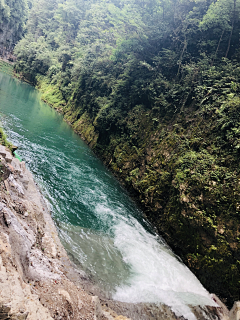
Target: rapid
point(99, 225)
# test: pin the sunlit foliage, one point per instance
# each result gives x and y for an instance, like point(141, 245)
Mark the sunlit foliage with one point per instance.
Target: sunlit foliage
point(153, 87)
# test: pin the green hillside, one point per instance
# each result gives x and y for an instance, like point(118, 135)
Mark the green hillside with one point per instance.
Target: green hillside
point(153, 87)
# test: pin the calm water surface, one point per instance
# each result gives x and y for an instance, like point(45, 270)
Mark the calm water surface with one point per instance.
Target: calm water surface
point(98, 223)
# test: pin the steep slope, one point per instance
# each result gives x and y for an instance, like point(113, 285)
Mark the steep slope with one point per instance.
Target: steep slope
point(38, 281)
point(13, 15)
point(153, 88)
point(33, 263)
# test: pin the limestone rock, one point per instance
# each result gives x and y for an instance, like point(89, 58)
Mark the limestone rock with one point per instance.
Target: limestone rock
point(16, 165)
point(7, 218)
point(49, 246)
point(8, 157)
point(235, 311)
point(65, 294)
point(3, 151)
point(97, 308)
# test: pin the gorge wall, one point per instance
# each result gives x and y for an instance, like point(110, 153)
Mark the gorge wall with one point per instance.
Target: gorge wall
point(13, 15)
point(38, 281)
point(153, 88)
point(184, 174)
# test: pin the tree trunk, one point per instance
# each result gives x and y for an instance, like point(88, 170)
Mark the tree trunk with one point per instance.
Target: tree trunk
point(219, 42)
point(180, 60)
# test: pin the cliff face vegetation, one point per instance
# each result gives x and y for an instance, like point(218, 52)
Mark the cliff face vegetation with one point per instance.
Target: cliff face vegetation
point(153, 87)
point(13, 15)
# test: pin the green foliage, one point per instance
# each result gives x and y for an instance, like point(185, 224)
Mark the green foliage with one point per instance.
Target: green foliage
point(153, 87)
point(6, 67)
point(3, 140)
point(218, 16)
point(13, 16)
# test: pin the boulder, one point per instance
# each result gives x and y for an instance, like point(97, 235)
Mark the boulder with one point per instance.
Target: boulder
point(235, 311)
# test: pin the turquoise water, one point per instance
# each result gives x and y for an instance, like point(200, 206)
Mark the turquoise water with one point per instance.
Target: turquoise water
point(98, 224)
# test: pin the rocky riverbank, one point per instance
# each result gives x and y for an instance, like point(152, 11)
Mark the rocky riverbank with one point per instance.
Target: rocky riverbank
point(35, 272)
point(37, 279)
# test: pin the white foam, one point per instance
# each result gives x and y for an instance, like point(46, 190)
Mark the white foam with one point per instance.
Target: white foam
point(157, 275)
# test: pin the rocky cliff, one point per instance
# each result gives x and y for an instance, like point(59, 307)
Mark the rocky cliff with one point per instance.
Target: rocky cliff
point(7, 41)
point(13, 15)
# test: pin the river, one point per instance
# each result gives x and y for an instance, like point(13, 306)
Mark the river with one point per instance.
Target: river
point(99, 225)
